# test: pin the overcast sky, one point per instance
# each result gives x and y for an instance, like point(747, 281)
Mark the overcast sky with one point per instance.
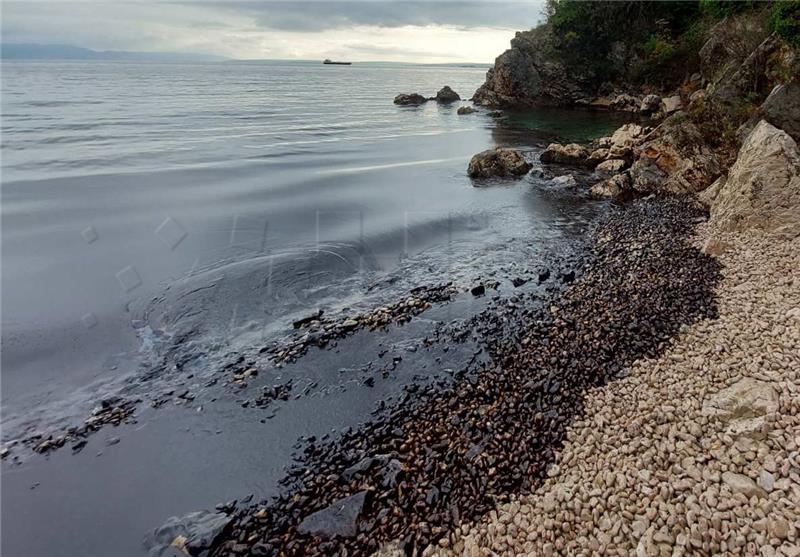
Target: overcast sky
point(421, 31)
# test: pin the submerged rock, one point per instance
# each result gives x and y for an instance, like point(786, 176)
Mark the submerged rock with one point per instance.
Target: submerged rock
point(191, 534)
point(447, 95)
point(566, 180)
point(340, 518)
point(499, 162)
point(762, 189)
point(465, 110)
point(409, 99)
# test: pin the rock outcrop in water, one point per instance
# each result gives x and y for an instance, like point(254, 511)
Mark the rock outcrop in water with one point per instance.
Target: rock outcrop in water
point(565, 154)
point(410, 99)
point(446, 95)
point(498, 163)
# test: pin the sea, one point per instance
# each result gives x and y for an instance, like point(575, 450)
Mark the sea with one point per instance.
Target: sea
point(159, 219)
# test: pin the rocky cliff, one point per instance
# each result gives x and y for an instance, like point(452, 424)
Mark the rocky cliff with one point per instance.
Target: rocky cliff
point(528, 74)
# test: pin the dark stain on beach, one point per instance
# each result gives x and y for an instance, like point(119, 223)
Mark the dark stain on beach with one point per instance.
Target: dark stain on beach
point(450, 452)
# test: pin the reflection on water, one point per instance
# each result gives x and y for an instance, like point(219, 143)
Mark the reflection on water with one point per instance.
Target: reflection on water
point(157, 218)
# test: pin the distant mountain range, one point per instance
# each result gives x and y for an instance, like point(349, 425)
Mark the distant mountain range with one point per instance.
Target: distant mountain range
point(17, 51)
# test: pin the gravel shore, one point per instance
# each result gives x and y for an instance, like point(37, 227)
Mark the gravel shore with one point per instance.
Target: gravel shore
point(449, 454)
point(694, 452)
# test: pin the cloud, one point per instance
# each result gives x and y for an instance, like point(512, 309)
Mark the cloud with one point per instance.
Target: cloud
point(320, 15)
point(414, 31)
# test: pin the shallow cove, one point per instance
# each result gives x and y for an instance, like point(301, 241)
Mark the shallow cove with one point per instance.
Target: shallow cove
point(289, 203)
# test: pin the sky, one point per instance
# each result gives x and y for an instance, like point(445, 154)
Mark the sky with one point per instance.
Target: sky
point(446, 31)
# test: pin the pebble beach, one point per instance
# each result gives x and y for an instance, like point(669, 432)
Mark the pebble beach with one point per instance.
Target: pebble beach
point(694, 452)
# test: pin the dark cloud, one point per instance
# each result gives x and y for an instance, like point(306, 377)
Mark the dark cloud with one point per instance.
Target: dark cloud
point(314, 16)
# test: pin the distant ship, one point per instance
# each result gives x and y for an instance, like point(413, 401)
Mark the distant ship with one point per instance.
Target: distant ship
point(329, 61)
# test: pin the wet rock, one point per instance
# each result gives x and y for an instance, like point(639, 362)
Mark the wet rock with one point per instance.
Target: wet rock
point(410, 99)
point(478, 290)
point(611, 166)
point(501, 162)
point(613, 187)
point(596, 157)
point(193, 534)
point(307, 320)
point(340, 518)
point(462, 110)
point(621, 143)
point(327, 329)
point(566, 181)
point(572, 153)
point(517, 282)
point(498, 429)
point(544, 275)
point(447, 95)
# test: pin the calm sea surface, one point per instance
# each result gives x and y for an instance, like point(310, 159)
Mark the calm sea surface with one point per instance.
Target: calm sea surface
point(154, 210)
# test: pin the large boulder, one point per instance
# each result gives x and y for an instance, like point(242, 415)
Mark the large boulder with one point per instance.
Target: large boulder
point(447, 95)
point(565, 154)
point(500, 162)
point(625, 103)
point(623, 140)
point(762, 189)
point(743, 407)
point(596, 157)
point(674, 158)
point(410, 99)
point(672, 104)
point(192, 534)
point(340, 518)
point(782, 108)
point(611, 166)
point(650, 104)
point(612, 187)
point(525, 75)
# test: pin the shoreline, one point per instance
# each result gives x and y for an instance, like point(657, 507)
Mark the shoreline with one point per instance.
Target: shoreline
point(666, 460)
point(456, 451)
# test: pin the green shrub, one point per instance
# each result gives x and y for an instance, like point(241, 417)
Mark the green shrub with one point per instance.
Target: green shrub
point(785, 20)
point(719, 9)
